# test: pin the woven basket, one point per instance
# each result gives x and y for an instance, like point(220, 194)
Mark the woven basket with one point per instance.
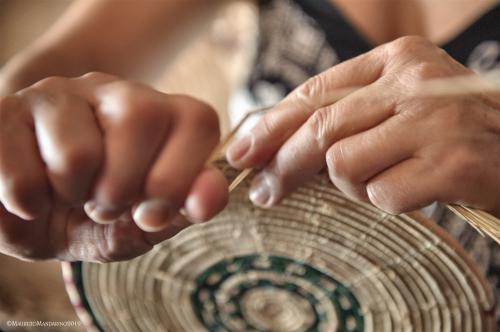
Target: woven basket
point(317, 262)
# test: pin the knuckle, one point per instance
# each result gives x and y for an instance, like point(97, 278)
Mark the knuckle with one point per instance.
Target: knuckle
point(105, 249)
point(429, 69)
point(338, 169)
point(461, 164)
point(103, 253)
point(310, 90)
point(268, 124)
point(408, 45)
point(51, 83)
point(321, 124)
point(118, 243)
point(135, 102)
point(453, 118)
point(384, 200)
point(98, 76)
point(130, 93)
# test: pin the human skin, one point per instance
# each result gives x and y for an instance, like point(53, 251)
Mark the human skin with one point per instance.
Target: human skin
point(106, 165)
point(124, 38)
point(88, 164)
point(82, 41)
point(382, 143)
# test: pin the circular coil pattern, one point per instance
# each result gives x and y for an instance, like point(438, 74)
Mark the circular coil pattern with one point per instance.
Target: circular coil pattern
point(316, 262)
point(269, 293)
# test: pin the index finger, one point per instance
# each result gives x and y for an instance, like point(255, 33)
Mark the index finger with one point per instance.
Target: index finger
point(260, 144)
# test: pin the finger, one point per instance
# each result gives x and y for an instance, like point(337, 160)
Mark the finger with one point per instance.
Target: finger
point(303, 154)
point(24, 189)
point(88, 241)
point(90, 80)
point(446, 171)
point(195, 134)
point(258, 146)
point(355, 159)
point(136, 126)
point(407, 186)
point(25, 241)
point(70, 143)
point(208, 195)
point(73, 236)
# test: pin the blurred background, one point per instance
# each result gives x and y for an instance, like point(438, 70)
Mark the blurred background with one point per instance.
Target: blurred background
point(21, 21)
point(217, 57)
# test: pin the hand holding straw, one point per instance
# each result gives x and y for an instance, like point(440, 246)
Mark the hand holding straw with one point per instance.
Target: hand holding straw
point(482, 221)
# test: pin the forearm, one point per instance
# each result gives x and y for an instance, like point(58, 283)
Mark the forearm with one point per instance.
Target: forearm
point(32, 65)
point(125, 38)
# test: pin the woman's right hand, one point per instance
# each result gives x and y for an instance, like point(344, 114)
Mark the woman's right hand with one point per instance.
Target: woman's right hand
point(96, 168)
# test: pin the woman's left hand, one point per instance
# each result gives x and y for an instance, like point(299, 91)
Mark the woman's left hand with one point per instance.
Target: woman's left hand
point(382, 142)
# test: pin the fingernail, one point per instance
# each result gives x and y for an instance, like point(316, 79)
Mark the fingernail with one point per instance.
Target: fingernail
point(153, 215)
point(260, 191)
point(101, 214)
point(192, 210)
point(239, 149)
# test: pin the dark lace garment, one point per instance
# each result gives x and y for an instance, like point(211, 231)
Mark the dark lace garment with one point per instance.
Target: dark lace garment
point(301, 38)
